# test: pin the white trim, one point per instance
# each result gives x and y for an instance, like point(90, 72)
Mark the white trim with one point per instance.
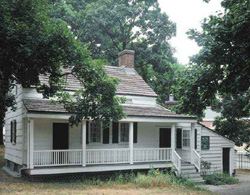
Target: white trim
point(131, 142)
point(127, 119)
point(173, 136)
point(28, 144)
point(84, 128)
point(192, 147)
point(103, 168)
point(31, 124)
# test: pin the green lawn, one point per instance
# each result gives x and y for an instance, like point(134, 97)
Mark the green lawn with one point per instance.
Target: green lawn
point(9, 185)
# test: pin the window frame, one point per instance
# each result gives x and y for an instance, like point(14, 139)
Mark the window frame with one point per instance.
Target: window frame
point(123, 142)
point(186, 147)
point(89, 132)
point(208, 143)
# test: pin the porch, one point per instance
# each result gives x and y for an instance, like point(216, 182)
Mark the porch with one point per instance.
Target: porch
point(152, 148)
point(95, 168)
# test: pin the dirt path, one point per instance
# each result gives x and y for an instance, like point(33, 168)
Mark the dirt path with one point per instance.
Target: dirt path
point(242, 188)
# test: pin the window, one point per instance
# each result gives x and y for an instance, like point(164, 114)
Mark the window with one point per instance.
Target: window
point(94, 132)
point(124, 132)
point(205, 143)
point(13, 132)
point(186, 139)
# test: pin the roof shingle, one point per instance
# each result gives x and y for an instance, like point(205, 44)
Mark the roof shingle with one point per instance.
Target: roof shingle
point(33, 105)
point(131, 82)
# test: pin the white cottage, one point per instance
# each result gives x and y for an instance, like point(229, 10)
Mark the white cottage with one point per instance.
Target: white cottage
point(39, 140)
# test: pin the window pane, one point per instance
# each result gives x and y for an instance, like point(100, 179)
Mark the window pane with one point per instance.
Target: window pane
point(124, 132)
point(186, 138)
point(95, 132)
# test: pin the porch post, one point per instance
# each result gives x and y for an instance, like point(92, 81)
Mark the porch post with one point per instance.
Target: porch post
point(31, 143)
point(84, 143)
point(192, 142)
point(131, 142)
point(173, 137)
point(28, 144)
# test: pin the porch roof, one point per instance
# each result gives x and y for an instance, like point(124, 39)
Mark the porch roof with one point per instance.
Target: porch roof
point(46, 106)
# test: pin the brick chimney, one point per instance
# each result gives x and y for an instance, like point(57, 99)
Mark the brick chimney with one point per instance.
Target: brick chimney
point(126, 58)
point(171, 101)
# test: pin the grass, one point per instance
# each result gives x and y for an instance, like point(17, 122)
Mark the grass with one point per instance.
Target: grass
point(243, 171)
point(220, 179)
point(155, 182)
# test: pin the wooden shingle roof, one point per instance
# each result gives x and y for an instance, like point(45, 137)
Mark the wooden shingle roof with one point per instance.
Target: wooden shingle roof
point(34, 105)
point(131, 83)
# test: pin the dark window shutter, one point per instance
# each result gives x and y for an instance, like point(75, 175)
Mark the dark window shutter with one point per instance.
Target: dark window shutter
point(11, 131)
point(195, 139)
point(179, 138)
point(135, 131)
point(106, 135)
point(115, 132)
point(14, 131)
point(87, 132)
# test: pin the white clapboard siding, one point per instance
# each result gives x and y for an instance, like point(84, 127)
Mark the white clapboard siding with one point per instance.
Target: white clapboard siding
point(14, 152)
point(148, 136)
point(214, 154)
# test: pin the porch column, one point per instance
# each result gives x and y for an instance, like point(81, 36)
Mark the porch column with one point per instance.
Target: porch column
point(131, 142)
point(192, 141)
point(84, 129)
point(173, 137)
point(31, 143)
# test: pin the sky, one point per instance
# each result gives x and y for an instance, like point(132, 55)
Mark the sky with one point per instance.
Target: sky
point(187, 14)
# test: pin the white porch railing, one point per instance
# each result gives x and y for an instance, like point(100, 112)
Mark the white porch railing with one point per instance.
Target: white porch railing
point(57, 157)
point(107, 156)
point(152, 154)
point(197, 160)
point(176, 159)
point(100, 156)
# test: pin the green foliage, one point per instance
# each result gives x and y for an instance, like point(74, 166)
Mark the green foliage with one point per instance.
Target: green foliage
point(205, 166)
point(220, 179)
point(34, 43)
point(110, 26)
point(219, 73)
point(154, 178)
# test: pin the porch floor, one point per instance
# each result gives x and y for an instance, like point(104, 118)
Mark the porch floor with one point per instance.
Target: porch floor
point(97, 168)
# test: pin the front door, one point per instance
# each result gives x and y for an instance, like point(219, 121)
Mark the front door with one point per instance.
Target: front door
point(165, 137)
point(60, 142)
point(226, 160)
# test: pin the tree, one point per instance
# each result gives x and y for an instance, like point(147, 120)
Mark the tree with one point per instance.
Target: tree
point(220, 73)
point(33, 43)
point(110, 26)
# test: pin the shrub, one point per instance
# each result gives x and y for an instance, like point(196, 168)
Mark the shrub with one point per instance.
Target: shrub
point(205, 166)
point(154, 178)
point(220, 179)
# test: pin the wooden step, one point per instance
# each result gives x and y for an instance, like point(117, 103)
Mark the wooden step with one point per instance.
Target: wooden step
point(189, 171)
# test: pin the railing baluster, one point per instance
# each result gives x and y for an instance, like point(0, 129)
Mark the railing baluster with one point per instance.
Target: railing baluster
point(101, 156)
